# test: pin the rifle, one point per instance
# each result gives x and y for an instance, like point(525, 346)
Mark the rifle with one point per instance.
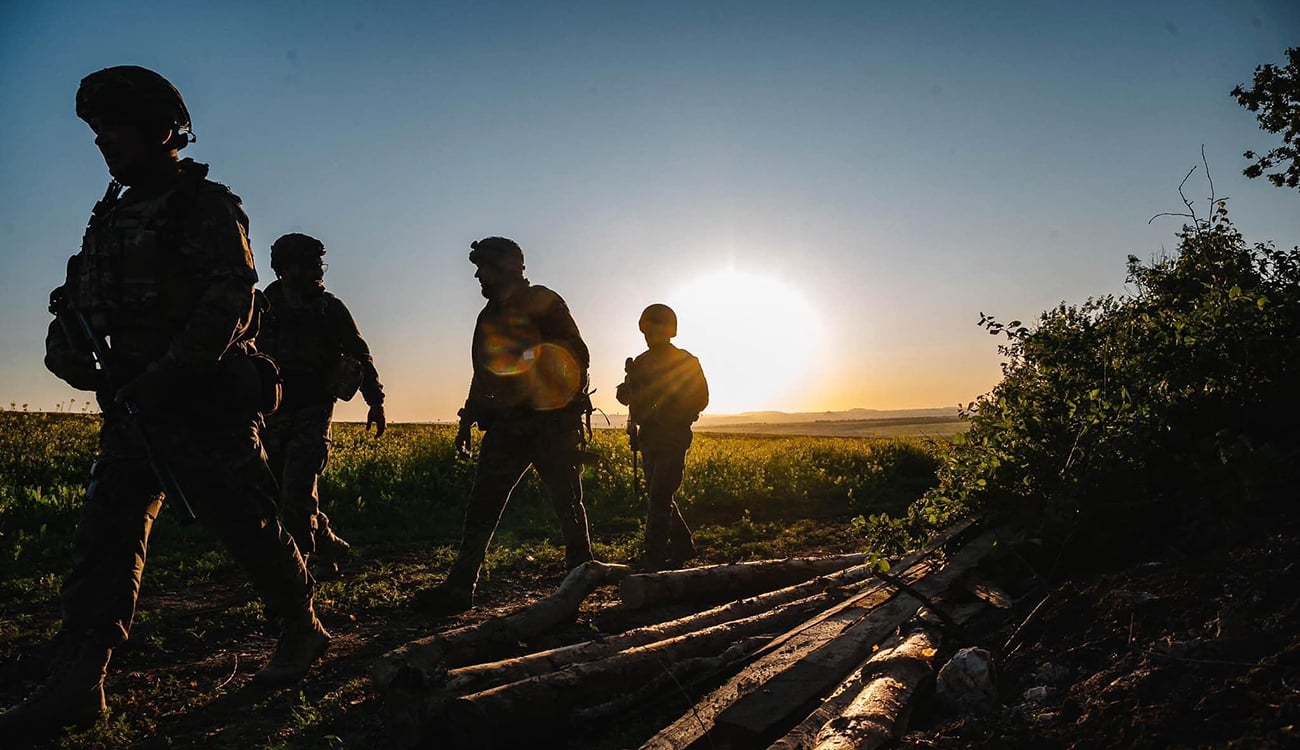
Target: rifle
point(631, 435)
point(99, 349)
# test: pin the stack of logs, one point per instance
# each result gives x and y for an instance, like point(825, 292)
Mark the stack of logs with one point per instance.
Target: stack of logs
point(827, 661)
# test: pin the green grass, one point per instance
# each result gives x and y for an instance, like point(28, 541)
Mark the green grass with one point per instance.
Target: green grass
point(406, 492)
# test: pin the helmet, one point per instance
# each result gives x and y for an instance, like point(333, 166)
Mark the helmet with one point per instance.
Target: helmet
point(296, 248)
point(497, 251)
point(135, 94)
point(660, 318)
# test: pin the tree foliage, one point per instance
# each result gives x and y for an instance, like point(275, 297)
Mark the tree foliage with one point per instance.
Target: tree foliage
point(1275, 100)
point(1183, 393)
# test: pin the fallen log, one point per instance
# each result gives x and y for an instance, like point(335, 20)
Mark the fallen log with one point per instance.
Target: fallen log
point(673, 677)
point(787, 680)
point(541, 702)
point(734, 579)
point(478, 677)
point(880, 709)
point(805, 734)
point(826, 589)
point(424, 661)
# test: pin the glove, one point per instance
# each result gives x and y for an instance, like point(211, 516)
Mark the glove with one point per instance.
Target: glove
point(463, 440)
point(76, 369)
point(376, 417)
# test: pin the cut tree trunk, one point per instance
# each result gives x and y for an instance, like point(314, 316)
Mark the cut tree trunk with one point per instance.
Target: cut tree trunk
point(880, 709)
point(733, 580)
point(804, 736)
point(788, 680)
point(424, 662)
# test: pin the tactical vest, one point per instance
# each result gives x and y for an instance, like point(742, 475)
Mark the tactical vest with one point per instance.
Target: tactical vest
point(666, 388)
point(135, 277)
point(300, 336)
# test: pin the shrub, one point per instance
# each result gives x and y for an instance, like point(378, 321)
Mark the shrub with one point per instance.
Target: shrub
point(1179, 397)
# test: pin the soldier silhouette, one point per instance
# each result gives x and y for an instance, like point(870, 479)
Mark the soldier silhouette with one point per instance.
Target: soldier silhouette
point(322, 357)
point(166, 275)
point(665, 391)
point(529, 395)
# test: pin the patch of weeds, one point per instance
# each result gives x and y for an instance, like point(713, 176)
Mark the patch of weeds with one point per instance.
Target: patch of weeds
point(750, 540)
point(116, 731)
point(30, 589)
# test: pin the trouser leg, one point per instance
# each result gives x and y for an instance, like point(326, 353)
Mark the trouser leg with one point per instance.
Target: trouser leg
point(501, 464)
point(108, 554)
point(666, 535)
point(297, 450)
point(557, 465)
point(237, 501)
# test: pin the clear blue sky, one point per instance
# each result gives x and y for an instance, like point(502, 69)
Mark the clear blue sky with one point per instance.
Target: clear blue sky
point(894, 168)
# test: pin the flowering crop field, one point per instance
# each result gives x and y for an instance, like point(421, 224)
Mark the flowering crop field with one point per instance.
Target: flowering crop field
point(407, 489)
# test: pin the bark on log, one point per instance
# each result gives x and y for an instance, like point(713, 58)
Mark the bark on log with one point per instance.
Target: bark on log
point(880, 709)
point(672, 679)
point(424, 662)
point(803, 736)
point(766, 695)
point(734, 579)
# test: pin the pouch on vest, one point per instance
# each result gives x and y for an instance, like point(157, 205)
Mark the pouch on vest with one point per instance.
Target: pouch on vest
point(271, 385)
point(346, 378)
point(252, 381)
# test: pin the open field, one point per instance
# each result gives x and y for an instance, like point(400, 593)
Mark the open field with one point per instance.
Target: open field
point(183, 678)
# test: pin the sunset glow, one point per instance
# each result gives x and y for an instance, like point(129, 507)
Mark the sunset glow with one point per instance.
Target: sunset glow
point(755, 335)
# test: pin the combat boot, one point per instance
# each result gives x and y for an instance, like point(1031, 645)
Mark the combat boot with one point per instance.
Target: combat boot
point(328, 558)
point(300, 645)
point(72, 696)
point(447, 598)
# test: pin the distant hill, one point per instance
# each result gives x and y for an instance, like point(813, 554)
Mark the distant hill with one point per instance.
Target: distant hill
point(935, 422)
point(851, 415)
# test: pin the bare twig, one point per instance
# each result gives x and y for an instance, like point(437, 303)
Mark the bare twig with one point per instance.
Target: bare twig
point(906, 588)
point(233, 670)
point(1029, 618)
point(1208, 178)
point(1190, 208)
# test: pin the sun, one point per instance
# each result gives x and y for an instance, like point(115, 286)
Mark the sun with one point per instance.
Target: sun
point(755, 335)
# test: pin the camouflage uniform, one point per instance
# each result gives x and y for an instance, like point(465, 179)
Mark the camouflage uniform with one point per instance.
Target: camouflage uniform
point(307, 339)
point(528, 395)
point(169, 277)
point(166, 272)
point(665, 391)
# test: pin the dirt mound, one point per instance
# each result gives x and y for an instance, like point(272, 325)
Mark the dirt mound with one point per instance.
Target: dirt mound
point(1183, 649)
